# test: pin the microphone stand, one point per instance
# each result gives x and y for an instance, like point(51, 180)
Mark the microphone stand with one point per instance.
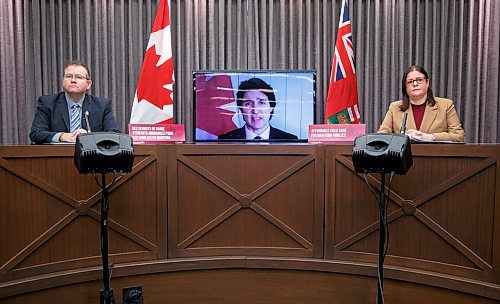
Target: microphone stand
point(106, 294)
point(392, 162)
point(403, 124)
point(381, 244)
point(90, 148)
point(87, 121)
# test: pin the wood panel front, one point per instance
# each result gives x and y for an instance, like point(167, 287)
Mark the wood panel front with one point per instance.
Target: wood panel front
point(280, 215)
point(263, 200)
point(443, 215)
point(250, 286)
point(50, 215)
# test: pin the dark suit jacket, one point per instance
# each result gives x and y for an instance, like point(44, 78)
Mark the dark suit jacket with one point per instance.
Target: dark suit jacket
point(273, 134)
point(52, 116)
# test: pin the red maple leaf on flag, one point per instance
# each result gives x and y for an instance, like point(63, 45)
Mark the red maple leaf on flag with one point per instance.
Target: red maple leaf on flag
point(152, 85)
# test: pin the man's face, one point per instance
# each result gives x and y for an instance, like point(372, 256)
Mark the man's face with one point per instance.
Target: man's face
point(75, 80)
point(256, 110)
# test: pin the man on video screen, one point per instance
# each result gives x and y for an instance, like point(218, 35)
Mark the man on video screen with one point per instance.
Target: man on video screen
point(256, 101)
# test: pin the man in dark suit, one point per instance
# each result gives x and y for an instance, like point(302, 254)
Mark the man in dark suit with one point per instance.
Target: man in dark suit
point(273, 134)
point(60, 117)
point(256, 101)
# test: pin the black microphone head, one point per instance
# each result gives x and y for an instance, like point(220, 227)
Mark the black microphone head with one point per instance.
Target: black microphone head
point(87, 121)
point(103, 152)
point(382, 153)
point(403, 125)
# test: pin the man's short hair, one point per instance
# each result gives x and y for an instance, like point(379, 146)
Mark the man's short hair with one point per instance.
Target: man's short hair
point(80, 63)
point(255, 84)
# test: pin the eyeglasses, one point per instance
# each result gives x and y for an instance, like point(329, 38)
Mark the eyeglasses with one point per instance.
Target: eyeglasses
point(419, 80)
point(77, 77)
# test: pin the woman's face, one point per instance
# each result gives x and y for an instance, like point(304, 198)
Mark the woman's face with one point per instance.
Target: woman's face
point(256, 110)
point(416, 85)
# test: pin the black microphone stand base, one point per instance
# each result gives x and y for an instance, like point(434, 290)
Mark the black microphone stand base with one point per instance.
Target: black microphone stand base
point(106, 296)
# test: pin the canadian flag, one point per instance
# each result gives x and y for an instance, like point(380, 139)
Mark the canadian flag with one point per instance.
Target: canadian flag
point(153, 100)
point(215, 104)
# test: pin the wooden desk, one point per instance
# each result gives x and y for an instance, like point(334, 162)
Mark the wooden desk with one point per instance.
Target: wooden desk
point(251, 224)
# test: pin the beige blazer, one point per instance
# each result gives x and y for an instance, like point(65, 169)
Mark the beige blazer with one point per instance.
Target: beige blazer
point(441, 120)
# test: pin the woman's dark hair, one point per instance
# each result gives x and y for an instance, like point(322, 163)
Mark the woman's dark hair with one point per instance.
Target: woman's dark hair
point(259, 85)
point(406, 99)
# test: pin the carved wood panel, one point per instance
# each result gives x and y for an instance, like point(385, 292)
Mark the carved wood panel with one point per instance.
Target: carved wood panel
point(239, 201)
point(51, 214)
point(442, 215)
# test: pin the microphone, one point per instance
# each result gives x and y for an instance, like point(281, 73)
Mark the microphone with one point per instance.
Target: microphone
point(403, 126)
point(87, 121)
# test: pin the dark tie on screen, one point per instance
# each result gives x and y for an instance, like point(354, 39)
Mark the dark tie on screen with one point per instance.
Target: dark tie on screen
point(75, 120)
point(257, 137)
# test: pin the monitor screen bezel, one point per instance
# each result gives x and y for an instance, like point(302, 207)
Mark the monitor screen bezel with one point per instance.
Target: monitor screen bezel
point(299, 140)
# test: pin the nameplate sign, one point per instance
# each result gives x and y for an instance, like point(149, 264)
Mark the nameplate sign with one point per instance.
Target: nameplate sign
point(335, 133)
point(157, 134)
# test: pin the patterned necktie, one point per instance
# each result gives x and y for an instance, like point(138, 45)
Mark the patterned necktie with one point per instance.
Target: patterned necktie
point(75, 120)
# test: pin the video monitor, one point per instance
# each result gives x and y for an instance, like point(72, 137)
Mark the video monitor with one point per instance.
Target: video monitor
point(273, 106)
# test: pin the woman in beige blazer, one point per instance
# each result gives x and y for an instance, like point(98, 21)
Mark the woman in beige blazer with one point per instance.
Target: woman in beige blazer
point(429, 118)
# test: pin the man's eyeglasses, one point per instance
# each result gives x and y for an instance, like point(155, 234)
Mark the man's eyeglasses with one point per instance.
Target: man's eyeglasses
point(419, 80)
point(77, 77)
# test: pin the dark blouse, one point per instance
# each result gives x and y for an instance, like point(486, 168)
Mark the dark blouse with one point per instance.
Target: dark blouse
point(418, 114)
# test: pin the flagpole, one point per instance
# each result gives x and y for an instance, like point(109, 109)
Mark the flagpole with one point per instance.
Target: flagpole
point(248, 31)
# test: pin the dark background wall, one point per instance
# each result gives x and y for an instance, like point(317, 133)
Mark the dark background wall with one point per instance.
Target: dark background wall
point(457, 41)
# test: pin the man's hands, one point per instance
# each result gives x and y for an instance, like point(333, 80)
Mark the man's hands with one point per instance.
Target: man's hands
point(71, 137)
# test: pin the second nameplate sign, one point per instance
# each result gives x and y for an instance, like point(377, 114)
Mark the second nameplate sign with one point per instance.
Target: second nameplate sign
point(335, 133)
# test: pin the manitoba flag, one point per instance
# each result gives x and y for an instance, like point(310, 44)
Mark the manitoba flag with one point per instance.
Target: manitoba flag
point(153, 101)
point(342, 101)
